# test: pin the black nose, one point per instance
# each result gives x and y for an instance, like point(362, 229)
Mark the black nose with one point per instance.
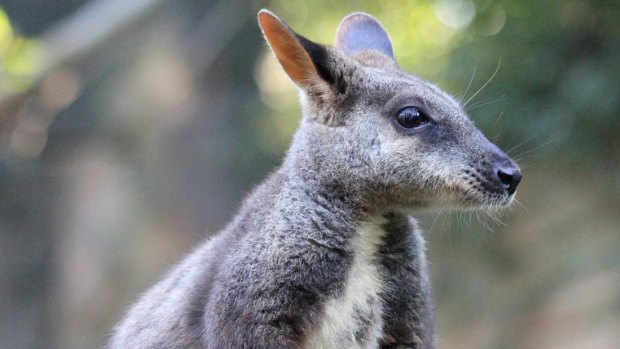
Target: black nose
point(508, 174)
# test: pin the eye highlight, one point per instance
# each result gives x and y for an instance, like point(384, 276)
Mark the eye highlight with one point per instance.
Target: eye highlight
point(411, 118)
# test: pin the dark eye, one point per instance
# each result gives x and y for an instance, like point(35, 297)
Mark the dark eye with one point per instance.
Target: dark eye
point(411, 118)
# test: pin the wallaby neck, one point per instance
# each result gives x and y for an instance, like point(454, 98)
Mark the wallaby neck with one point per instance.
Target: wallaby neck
point(307, 175)
point(330, 194)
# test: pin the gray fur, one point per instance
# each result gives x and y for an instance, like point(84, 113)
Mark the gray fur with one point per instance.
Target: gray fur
point(268, 279)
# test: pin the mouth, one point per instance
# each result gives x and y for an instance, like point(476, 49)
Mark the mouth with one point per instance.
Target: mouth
point(473, 198)
point(499, 200)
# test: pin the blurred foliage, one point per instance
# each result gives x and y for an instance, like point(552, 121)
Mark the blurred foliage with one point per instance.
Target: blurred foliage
point(20, 58)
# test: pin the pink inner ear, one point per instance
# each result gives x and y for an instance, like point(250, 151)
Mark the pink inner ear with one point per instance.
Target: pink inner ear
point(361, 32)
point(287, 49)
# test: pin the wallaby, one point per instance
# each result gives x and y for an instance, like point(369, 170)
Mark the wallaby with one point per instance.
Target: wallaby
point(324, 253)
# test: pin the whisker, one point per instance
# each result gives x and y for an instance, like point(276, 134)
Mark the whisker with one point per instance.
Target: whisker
point(484, 102)
point(520, 144)
point(499, 117)
point(522, 165)
point(513, 138)
point(521, 205)
point(495, 216)
point(520, 157)
point(487, 226)
point(459, 224)
point(434, 221)
point(485, 84)
point(471, 79)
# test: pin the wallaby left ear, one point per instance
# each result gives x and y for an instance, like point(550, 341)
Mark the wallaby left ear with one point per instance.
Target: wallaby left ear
point(304, 61)
point(362, 32)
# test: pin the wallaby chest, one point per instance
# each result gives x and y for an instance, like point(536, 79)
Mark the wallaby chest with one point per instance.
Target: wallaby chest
point(353, 319)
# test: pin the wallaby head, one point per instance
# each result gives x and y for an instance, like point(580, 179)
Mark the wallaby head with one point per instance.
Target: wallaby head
point(392, 140)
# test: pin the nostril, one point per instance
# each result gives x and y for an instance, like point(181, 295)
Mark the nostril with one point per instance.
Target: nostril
point(505, 178)
point(510, 178)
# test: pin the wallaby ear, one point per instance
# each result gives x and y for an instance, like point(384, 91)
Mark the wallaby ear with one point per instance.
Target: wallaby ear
point(304, 61)
point(362, 32)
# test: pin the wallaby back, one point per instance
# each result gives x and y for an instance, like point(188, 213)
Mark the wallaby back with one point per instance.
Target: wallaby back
point(323, 254)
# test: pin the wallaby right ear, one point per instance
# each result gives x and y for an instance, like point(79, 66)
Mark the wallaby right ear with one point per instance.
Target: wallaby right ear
point(361, 32)
point(303, 61)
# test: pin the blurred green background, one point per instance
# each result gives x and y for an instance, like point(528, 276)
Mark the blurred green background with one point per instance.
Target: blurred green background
point(130, 129)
